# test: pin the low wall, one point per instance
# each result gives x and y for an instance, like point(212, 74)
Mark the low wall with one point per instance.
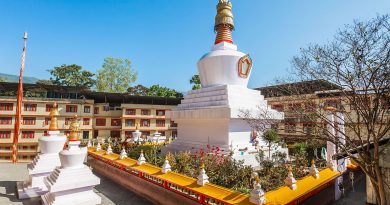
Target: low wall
point(139, 186)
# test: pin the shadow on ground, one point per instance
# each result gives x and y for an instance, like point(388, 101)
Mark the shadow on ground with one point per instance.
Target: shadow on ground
point(10, 193)
point(118, 194)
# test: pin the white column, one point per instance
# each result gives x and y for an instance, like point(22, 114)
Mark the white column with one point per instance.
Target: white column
point(330, 146)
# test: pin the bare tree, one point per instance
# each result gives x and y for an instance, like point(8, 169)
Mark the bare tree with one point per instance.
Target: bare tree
point(357, 61)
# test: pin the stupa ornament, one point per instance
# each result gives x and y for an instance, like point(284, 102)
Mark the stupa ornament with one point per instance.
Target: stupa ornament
point(212, 115)
point(45, 162)
point(244, 66)
point(74, 127)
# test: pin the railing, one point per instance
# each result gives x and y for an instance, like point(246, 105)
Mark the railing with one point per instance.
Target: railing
point(191, 191)
point(211, 194)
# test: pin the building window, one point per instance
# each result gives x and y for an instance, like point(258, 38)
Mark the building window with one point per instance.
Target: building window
point(5, 120)
point(145, 112)
point(28, 134)
point(95, 133)
point(85, 134)
point(68, 120)
point(295, 106)
point(67, 132)
point(173, 124)
point(290, 128)
point(106, 108)
point(130, 111)
point(5, 134)
point(129, 122)
point(96, 110)
point(6, 106)
point(145, 123)
point(86, 121)
point(279, 107)
point(45, 133)
point(48, 107)
point(100, 122)
point(160, 123)
point(145, 134)
point(116, 122)
point(30, 107)
point(87, 109)
point(311, 106)
point(128, 134)
point(47, 120)
point(28, 120)
point(160, 112)
point(71, 108)
point(308, 128)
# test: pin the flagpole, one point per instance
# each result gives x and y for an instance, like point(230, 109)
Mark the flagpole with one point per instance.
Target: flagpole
point(19, 99)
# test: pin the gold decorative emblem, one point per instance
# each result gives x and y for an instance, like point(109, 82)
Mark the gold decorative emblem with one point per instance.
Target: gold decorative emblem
point(244, 66)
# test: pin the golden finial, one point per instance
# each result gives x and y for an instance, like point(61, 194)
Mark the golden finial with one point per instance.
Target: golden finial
point(257, 179)
point(136, 126)
point(54, 114)
point(202, 165)
point(74, 127)
point(290, 168)
point(330, 108)
point(224, 14)
point(142, 151)
point(224, 23)
point(312, 162)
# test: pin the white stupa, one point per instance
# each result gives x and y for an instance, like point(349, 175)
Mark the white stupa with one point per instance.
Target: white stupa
point(211, 115)
point(45, 162)
point(72, 182)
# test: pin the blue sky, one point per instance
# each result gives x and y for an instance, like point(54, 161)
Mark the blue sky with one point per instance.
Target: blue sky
point(164, 39)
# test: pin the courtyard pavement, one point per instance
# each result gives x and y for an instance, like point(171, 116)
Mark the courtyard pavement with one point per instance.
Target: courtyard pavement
point(110, 192)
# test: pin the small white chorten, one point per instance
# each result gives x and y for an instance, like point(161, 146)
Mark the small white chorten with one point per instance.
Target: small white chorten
point(72, 182)
point(123, 154)
point(109, 149)
point(290, 180)
point(202, 177)
point(98, 146)
point(166, 167)
point(89, 143)
point(141, 158)
point(257, 194)
point(313, 170)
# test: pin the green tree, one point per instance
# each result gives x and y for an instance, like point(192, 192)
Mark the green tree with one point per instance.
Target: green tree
point(157, 90)
point(195, 82)
point(138, 90)
point(270, 136)
point(44, 82)
point(71, 75)
point(3, 79)
point(115, 75)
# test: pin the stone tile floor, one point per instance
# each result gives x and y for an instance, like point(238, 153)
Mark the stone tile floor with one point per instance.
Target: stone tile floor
point(110, 192)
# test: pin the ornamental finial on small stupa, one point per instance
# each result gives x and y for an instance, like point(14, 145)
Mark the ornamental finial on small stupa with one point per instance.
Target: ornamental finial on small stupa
point(202, 177)
point(54, 114)
point(257, 195)
point(74, 129)
point(313, 169)
point(224, 22)
point(290, 180)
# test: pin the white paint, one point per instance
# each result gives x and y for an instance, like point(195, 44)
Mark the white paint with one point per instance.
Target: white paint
point(290, 181)
point(42, 165)
point(257, 195)
point(202, 178)
point(166, 167)
point(72, 182)
point(212, 115)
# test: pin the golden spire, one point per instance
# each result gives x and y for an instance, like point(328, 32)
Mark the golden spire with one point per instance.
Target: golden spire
point(202, 165)
point(54, 114)
point(312, 162)
point(74, 127)
point(224, 23)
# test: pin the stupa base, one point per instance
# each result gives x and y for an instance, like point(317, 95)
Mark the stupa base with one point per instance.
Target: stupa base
point(71, 186)
point(80, 198)
point(25, 191)
point(38, 169)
